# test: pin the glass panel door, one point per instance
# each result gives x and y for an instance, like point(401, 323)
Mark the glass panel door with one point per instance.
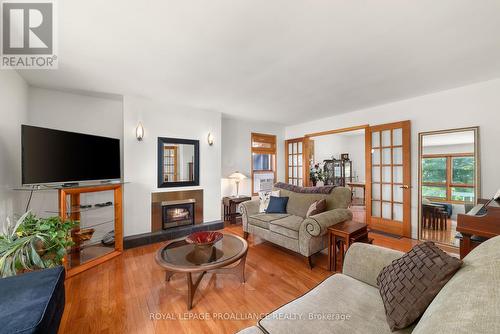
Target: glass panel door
point(388, 173)
point(296, 162)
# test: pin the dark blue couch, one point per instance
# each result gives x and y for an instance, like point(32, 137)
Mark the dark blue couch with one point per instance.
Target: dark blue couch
point(32, 302)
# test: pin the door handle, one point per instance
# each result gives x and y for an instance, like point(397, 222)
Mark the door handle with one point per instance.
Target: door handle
point(405, 186)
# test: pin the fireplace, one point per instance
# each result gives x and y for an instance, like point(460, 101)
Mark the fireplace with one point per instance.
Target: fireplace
point(189, 201)
point(177, 214)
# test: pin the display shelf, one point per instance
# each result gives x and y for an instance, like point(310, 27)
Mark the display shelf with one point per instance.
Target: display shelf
point(98, 224)
point(88, 254)
point(85, 254)
point(78, 209)
point(48, 187)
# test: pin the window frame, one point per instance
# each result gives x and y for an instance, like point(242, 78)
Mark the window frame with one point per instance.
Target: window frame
point(449, 177)
point(271, 150)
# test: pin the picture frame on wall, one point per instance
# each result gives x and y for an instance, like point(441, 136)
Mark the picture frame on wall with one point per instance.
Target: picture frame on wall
point(344, 156)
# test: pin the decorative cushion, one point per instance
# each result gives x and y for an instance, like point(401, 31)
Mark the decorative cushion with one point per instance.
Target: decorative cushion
point(263, 219)
point(264, 197)
point(316, 208)
point(277, 205)
point(289, 226)
point(409, 284)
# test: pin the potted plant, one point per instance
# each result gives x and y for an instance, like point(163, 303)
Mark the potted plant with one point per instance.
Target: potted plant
point(316, 174)
point(33, 243)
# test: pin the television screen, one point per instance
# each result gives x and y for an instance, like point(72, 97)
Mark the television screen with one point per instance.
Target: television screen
point(53, 156)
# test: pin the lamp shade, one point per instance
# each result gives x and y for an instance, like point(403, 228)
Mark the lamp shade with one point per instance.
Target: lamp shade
point(238, 176)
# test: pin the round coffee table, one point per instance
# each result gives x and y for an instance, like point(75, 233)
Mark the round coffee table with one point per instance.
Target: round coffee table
point(178, 256)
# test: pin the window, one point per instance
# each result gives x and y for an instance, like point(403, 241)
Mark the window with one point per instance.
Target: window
point(448, 178)
point(263, 162)
point(263, 149)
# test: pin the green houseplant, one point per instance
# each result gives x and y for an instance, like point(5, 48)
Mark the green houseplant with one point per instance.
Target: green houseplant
point(33, 243)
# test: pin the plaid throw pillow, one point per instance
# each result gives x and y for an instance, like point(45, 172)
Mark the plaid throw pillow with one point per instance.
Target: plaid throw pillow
point(409, 284)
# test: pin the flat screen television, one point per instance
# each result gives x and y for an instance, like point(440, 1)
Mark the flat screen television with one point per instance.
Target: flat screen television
point(54, 156)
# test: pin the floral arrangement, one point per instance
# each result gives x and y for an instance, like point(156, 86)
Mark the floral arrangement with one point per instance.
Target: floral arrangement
point(316, 173)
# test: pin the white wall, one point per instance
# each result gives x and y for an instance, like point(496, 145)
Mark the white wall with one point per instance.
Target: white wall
point(236, 156)
point(66, 111)
point(109, 117)
point(161, 119)
point(335, 144)
point(90, 114)
point(13, 110)
point(448, 149)
point(473, 105)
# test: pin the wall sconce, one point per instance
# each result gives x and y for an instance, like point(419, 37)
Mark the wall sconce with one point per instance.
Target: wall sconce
point(139, 132)
point(210, 139)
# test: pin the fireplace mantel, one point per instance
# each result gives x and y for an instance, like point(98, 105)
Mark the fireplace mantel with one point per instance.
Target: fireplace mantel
point(159, 198)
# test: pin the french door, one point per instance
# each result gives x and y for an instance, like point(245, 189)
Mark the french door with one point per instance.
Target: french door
point(297, 164)
point(388, 178)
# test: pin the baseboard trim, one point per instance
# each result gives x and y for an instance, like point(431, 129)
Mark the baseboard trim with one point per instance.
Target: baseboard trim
point(395, 236)
point(138, 240)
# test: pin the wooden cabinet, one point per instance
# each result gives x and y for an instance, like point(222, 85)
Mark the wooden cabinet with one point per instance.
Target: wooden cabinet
point(338, 172)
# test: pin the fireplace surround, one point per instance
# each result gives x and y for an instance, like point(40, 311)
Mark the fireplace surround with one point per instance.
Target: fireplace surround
point(161, 202)
point(158, 234)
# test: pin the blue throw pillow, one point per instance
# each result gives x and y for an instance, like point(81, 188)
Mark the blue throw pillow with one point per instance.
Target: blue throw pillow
point(277, 205)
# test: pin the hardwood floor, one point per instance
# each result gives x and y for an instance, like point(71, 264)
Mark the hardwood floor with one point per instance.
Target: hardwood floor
point(446, 236)
point(122, 295)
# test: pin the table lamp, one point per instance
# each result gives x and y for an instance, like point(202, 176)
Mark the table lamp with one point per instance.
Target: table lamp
point(237, 177)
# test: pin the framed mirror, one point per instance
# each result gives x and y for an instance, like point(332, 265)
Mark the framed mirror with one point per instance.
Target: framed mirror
point(449, 181)
point(178, 162)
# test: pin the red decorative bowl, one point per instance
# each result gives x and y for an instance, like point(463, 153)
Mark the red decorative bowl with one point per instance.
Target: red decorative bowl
point(204, 238)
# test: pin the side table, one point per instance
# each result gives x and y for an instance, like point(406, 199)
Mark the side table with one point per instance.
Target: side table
point(343, 235)
point(230, 206)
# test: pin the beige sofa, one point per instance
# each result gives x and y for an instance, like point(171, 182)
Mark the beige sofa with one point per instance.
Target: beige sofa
point(468, 303)
point(293, 230)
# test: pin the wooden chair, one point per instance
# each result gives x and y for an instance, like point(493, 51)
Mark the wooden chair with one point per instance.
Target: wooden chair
point(434, 217)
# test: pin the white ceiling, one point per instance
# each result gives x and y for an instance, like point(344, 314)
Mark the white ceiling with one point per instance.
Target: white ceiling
point(285, 61)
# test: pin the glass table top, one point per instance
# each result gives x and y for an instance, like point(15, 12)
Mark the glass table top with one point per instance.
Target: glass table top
point(183, 254)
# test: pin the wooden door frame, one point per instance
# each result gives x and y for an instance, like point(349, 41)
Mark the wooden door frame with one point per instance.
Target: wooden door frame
point(389, 225)
point(311, 136)
point(335, 131)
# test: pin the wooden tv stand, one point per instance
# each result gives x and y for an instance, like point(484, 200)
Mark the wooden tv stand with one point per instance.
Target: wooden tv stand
point(69, 208)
